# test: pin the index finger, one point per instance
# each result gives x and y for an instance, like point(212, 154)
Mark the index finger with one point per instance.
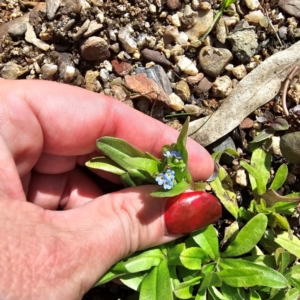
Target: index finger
point(71, 119)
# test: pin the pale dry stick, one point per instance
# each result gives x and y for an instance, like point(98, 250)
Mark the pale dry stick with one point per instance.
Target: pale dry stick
point(271, 24)
point(285, 87)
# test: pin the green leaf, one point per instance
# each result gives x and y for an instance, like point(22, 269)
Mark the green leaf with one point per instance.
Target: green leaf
point(263, 135)
point(184, 290)
point(254, 295)
point(201, 295)
point(285, 208)
point(216, 294)
point(192, 258)
point(293, 294)
point(279, 220)
point(174, 253)
point(181, 141)
point(149, 165)
point(283, 259)
point(271, 197)
point(230, 232)
point(241, 277)
point(269, 277)
point(207, 239)
point(248, 237)
point(293, 276)
point(259, 185)
point(261, 161)
point(133, 281)
point(157, 284)
point(263, 260)
point(144, 261)
point(105, 164)
point(233, 293)
point(127, 180)
point(280, 177)
point(177, 189)
point(116, 271)
point(292, 246)
point(222, 187)
point(118, 150)
point(210, 279)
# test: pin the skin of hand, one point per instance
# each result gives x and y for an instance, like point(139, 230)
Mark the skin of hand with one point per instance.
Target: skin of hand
point(46, 131)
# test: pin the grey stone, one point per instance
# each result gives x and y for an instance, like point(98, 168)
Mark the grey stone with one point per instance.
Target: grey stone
point(158, 74)
point(290, 147)
point(65, 65)
point(244, 43)
point(70, 7)
point(11, 70)
point(214, 60)
point(292, 7)
point(222, 144)
point(95, 48)
point(17, 29)
point(222, 86)
point(84, 27)
point(127, 41)
point(52, 7)
point(94, 26)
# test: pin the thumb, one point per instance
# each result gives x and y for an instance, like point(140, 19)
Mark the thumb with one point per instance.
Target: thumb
point(115, 225)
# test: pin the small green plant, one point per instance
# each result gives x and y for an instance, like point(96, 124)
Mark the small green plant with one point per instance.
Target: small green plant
point(224, 6)
point(257, 255)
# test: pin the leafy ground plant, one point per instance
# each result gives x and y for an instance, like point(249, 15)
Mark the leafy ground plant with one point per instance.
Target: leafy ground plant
point(254, 256)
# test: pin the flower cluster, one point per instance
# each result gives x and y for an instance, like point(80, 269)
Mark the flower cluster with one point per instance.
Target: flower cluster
point(166, 179)
point(174, 153)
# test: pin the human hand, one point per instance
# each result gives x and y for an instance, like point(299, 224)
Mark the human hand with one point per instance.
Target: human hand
point(46, 131)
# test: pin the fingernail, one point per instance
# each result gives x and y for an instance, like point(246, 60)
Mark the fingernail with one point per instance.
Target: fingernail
point(215, 173)
point(191, 211)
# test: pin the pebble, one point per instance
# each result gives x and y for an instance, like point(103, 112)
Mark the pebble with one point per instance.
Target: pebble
point(189, 17)
point(71, 7)
point(173, 4)
point(64, 62)
point(222, 86)
point(247, 123)
point(292, 7)
point(193, 109)
point(155, 56)
point(30, 37)
point(118, 92)
point(239, 71)
point(221, 31)
point(214, 60)
point(175, 102)
point(255, 17)
point(175, 20)
point(170, 34)
point(51, 8)
point(252, 4)
point(203, 22)
point(241, 177)
point(158, 74)
point(77, 36)
point(95, 48)
point(48, 71)
point(187, 66)
point(104, 75)
point(276, 145)
point(204, 85)
point(141, 84)
point(182, 38)
point(182, 90)
point(127, 41)
point(194, 79)
point(11, 70)
point(121, 68)
point(93, 27)
point(244, 44)
point(17, 29)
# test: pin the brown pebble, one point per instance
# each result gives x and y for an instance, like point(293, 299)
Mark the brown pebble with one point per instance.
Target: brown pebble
point(121, 68)
point(155, 56)
point(247, 123)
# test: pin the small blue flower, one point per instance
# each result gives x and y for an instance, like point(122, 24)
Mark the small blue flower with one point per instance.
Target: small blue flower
point(160, 179)
point(167, 154)
point(168, 185)
point(169, 175)
point(176, 154)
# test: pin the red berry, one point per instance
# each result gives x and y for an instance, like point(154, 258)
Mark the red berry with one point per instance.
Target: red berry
point(191, 211)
